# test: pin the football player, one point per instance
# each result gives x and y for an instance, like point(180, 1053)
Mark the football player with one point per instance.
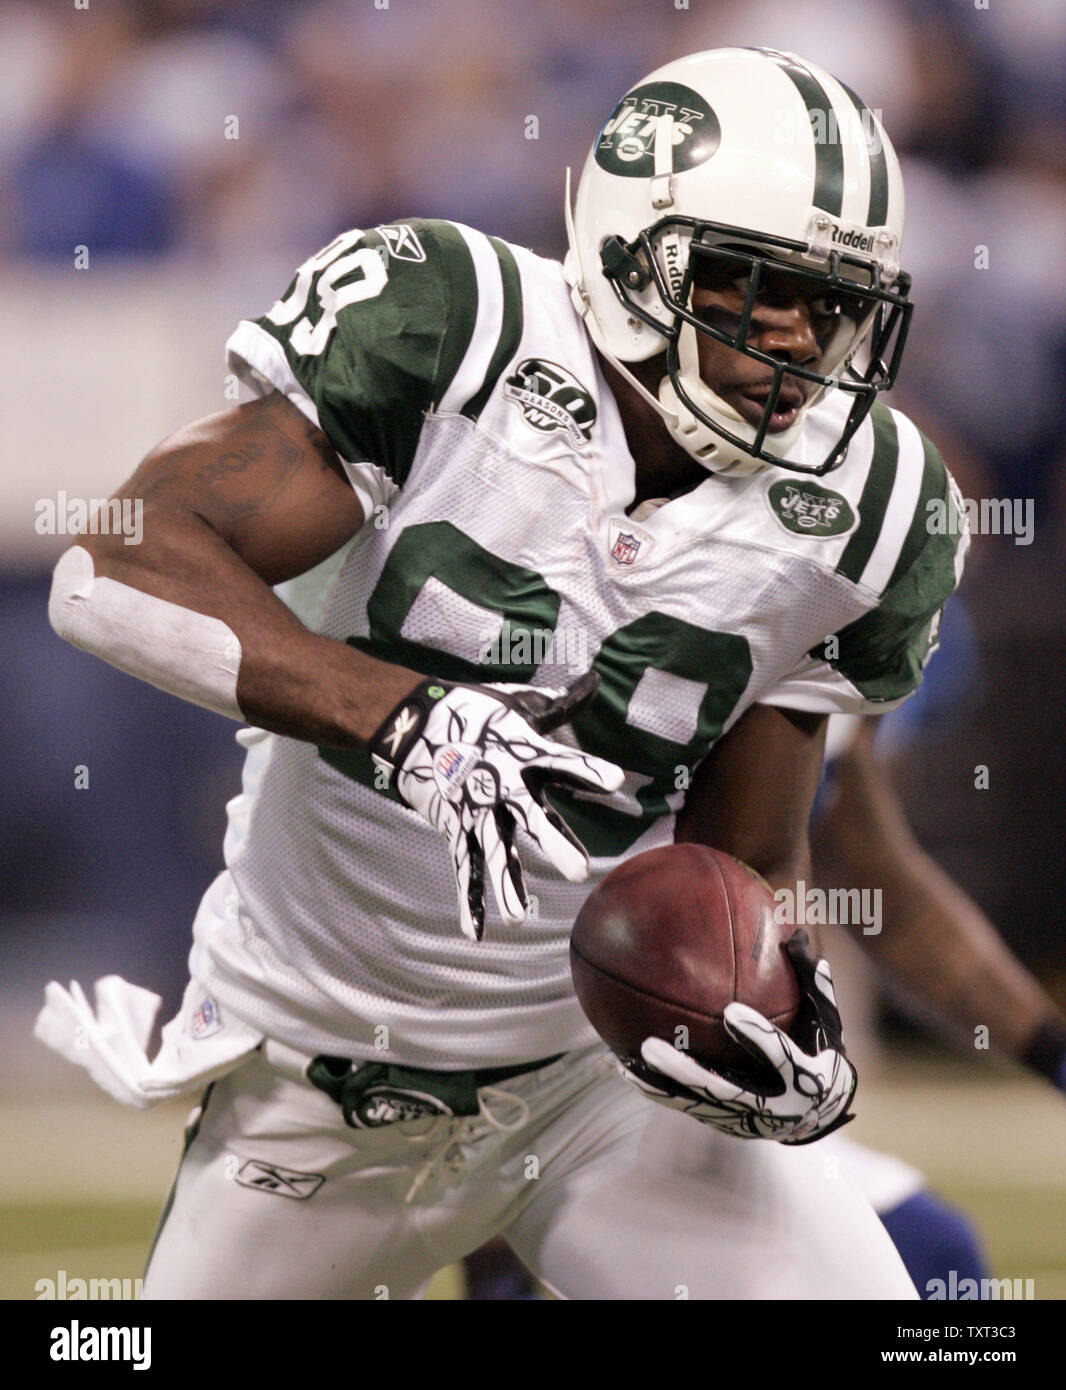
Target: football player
point(574, 561)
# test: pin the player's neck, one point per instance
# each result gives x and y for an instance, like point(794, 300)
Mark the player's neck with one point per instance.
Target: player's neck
point(663, 469)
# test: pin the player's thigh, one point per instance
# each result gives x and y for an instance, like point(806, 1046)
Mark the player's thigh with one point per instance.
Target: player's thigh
point(671, 1209)
point(276, 1198)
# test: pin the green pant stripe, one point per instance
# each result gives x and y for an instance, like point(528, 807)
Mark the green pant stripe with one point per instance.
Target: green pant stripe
point(190, 1137)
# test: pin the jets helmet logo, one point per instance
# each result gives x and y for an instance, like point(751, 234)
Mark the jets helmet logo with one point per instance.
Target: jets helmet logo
point(626, 144)
point(551, 398)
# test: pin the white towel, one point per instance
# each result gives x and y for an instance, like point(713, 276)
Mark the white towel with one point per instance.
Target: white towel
point(110, 1041)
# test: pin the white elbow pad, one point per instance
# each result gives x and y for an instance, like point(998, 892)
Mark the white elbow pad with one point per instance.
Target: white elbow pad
point(185, 653)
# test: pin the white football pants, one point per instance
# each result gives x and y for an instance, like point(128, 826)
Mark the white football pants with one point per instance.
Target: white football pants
point(602, 1193)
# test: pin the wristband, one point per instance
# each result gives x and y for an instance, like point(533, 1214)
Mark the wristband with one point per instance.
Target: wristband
point(398, 731)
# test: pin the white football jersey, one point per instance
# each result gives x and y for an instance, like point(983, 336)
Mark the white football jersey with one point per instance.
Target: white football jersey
point(457, 383)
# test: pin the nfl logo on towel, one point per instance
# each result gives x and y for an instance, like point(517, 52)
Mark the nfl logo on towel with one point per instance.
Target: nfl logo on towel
point(207, 1019)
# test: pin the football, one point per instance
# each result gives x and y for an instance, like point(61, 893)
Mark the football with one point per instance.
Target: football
point(667, 940)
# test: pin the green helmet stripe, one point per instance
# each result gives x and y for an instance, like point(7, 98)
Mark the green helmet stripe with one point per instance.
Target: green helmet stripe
point(828, 154)
point(875, 494)
point(877, 213)
point(510, 328)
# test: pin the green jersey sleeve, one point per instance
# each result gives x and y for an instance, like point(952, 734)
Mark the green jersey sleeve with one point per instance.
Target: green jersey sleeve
point(883, 653)
point(366, 339)
point(875, 662)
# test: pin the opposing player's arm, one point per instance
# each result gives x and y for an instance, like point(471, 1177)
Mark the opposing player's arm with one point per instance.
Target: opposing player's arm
point(232, 504)
point(936, 942)
point(752, 794)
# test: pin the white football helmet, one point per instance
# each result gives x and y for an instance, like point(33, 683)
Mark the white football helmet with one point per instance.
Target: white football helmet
point(758, 158)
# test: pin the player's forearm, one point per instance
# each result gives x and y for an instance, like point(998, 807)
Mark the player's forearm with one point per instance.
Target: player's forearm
point(269, 668)
point(976, 979)
point(935, 940)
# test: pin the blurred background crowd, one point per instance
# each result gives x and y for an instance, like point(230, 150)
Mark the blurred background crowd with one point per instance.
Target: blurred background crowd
point(117, 135)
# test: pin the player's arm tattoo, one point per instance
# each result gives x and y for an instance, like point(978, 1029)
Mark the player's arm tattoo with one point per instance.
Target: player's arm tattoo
point(247, 474)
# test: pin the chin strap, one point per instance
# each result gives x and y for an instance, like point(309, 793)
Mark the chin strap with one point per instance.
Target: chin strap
point(574, 271)
point(662, 184)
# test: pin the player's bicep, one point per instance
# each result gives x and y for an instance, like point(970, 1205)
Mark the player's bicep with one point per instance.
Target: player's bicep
point(752, 794)
point(262, 477)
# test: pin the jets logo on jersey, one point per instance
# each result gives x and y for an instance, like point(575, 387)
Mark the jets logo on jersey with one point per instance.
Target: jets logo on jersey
point(551, 398)
point(283, 1182)
point(403, 243)
point(810, 509)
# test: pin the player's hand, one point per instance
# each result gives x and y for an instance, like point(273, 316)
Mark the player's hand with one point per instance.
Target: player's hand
point(809, 1083)
point(473, 761)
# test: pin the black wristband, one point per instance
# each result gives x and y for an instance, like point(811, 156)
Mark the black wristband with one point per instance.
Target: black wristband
point(1046, 1052)
point(397, 732)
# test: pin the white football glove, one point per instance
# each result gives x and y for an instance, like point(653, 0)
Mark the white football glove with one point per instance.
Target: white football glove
point(815, 1082)
point(473, 762)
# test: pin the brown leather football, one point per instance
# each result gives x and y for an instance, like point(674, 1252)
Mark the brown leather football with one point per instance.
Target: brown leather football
point(667, 940)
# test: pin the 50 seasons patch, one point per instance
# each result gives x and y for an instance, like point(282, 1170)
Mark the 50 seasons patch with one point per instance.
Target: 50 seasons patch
point(551, 398)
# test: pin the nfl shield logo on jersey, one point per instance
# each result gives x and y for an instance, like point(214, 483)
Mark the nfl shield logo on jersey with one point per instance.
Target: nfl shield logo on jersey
point(625, 548)
point(627, 543)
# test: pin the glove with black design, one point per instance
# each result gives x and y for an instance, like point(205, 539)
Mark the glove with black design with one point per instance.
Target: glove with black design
point(814, 1081)
point(473, 761)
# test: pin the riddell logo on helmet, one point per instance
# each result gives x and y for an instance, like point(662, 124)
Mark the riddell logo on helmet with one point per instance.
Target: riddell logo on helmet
point(675, 262)
point(860, 241)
